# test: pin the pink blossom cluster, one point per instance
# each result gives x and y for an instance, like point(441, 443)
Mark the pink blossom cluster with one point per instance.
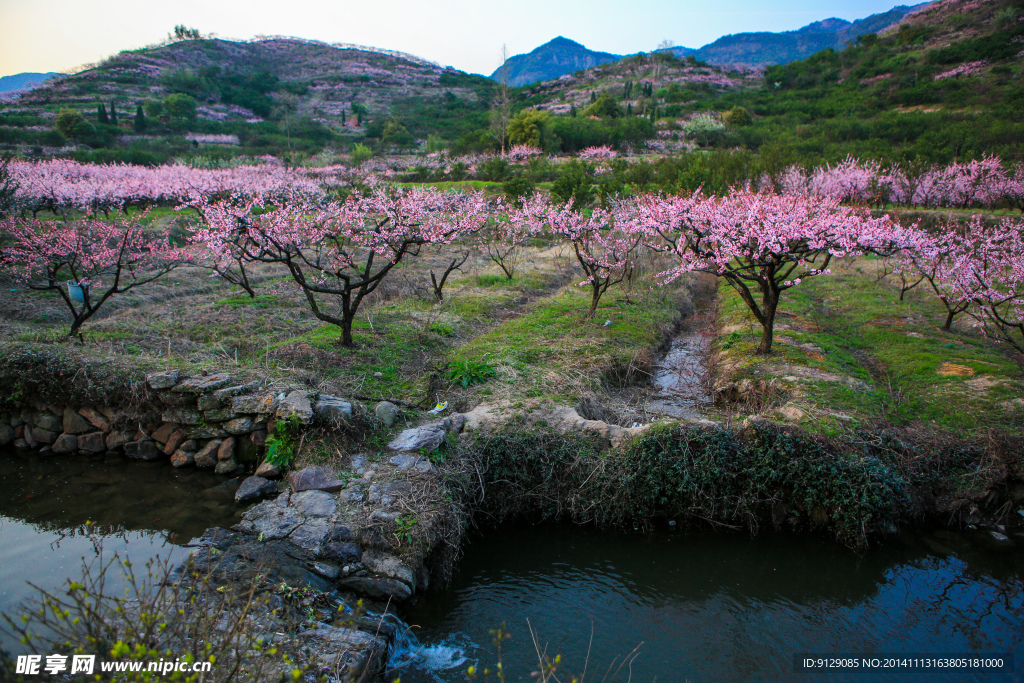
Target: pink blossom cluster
point(984, 182)
point(602, 153)
point(966, 69)
point(61, 185)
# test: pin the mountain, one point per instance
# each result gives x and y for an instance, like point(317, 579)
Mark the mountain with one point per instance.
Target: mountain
point(552, 59)
point(562, 56)
point(269, 95)
point(763, 48)
point(24, 81)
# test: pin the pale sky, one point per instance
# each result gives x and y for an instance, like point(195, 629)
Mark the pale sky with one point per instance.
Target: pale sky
point(59, 35)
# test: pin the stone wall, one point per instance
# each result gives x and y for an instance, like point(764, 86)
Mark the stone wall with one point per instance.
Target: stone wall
point(211, 421)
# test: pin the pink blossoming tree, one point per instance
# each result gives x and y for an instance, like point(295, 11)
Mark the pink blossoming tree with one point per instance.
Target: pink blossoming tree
point(97, 259)
point(761, 243)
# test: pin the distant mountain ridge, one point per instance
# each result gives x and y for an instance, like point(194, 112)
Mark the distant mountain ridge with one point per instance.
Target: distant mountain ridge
point(552, 59)
point(562, 56)
point(764, 48)
point(24, 80)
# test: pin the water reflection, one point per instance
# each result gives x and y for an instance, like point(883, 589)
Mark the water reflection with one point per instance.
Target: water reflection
point(719, 607)
point(139, 510)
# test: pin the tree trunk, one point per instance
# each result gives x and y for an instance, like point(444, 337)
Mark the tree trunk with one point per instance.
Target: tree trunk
point(346, 332)
point(949, 320)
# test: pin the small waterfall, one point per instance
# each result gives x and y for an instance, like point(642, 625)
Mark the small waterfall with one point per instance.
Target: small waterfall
point(414, 660)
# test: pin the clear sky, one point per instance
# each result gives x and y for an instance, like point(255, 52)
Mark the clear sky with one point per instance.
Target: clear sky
point(59, 35)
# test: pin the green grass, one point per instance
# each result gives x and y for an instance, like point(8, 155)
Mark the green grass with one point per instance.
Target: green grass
point(551, 350)
point(246, 301)
point(895, 353)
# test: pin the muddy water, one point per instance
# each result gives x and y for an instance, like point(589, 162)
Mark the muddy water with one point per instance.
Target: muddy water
point(139, 510)
point(681, 376)
point(716, 607)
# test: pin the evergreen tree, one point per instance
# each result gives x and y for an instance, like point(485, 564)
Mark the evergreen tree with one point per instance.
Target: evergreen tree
point(593, 97)
point(629, 109)
point(113, 113)
point(101, 114)
point(140, 120)
point(572, 110)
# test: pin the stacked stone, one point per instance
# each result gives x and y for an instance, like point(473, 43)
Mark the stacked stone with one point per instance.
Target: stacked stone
point(210, 421)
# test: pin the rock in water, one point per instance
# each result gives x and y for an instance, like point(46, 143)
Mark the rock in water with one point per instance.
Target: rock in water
point(254, 488)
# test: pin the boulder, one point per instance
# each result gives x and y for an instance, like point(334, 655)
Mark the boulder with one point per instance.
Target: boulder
point(240, 425)
point(206, 458)
point(380, 588)
point(95, 418)
point(48, 422)
point(254, 488)
point(205, 432)
point(296, 403)
point(380, 562)
point(203, 385)
point(163, 380)
point(405, 462)
point(163, 433)
point(143, 449)
point(183, 458)
point(42, 436)
point(341, 551)
point(310, 535)
point(221, 396)
point(229, 466)
point(65, 443)
point(427, 438)
point(92, 443)
point(269, 521)
point(174, 441)
point(314, 479)
point(116, 440)
point(268, 470)
point(6, 435)
point(218, 415)
point(73, 423)
point(184, 416)
point(226, 451)
point(315, 503)
point(259, 437)
point(256, 404)
point(332, 410)
point(387, 412)
point(454, 423)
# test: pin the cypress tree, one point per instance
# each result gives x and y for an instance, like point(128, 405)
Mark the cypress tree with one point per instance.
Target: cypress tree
point(629, 109)
point(113, 114)
point(572, 110)
point(101, 114)
point(140, 120)
point(593, 97)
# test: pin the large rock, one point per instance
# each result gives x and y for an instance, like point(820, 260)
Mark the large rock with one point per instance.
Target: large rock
point(380, 562)
point(203, 385)
point(332, 410)
point(143, 449)
point(268, 470)
point(219, 415)
point(206, 458)
point(387, 412)
point(92, 443)
point(205, 432)
point(48, 421)
point(163, 380)
point(240, 425)
point(183, 416)
point(380, 588)
point(254, 488)
point(65, 443)
point(116, 440)
point(269, 521)
point(310, 535)
point(315, 503)
point(257, 404)
point(341, 552)
point(227, 449)
point(419, 438)
point(183, 458)
point(314, 479)
point(6, 435)
point(162, 434)
point(74, 423)
point(356, 655)
point(95, 418)
point(296, 403)
point(228, 466)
